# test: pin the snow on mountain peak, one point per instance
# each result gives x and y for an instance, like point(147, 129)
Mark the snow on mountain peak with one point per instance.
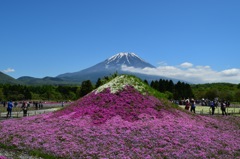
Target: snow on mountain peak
point(122, 55)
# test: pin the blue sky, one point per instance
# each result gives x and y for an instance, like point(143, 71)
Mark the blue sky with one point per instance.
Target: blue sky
point(194, 40)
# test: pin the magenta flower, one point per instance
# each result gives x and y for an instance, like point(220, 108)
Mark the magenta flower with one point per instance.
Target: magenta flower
point(124, 124)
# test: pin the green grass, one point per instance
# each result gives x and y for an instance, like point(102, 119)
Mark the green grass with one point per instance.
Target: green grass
point(38, 153)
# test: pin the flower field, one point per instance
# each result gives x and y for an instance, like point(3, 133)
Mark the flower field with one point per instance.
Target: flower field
point(124, 123)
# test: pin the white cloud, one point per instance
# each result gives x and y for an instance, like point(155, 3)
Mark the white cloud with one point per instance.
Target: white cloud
point(8, 70)
point(231, 72)
point(186, 65)
point(188, 72)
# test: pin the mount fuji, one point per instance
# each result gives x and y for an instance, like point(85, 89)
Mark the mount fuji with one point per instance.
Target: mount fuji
point(128, 59)
point(110, 66)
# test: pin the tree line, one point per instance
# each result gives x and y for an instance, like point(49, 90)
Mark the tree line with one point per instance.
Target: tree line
point(44, 92)
point(223, 91)
point(211, 91)
point(177, 91)
point(17, 92)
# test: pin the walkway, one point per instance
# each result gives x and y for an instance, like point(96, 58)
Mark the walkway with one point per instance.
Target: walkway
point(29, 113)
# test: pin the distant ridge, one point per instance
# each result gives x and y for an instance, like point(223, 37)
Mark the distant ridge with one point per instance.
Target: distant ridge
point(43, 81)
point(7, 79)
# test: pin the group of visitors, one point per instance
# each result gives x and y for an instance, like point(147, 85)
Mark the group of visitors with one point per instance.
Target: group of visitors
point(24, 107)
point(223, 104)
point(190, 104)
point(38, 105)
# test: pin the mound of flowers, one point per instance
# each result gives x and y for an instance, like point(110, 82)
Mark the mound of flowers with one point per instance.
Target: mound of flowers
point(100, 107)
point(119, 121)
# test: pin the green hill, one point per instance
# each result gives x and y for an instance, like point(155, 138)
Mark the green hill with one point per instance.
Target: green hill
point(44, 81)
point(4, 79)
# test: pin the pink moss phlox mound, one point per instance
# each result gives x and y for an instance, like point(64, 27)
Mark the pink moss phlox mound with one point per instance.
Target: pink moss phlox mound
point(125, 124)
point(183, 136)
point(127, 103)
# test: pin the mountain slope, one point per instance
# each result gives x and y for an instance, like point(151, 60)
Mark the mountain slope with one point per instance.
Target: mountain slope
point(7, 79)
point(110, 66)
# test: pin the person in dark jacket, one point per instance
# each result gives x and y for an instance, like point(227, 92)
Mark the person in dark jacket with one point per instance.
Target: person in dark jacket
point(193, 106)
point(9, 109)
point(212, 105)
point(223, 108)
point(24, 108)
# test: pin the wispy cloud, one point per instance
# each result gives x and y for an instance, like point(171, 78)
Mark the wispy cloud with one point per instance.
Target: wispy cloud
point(8, 70)
point(186, 65)
point(191, 73)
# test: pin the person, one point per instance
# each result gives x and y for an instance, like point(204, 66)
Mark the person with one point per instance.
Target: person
point(212, 105)
point(28, 104)
point(41, 104)
point(9, 109)
point(192, 105)
point(228, 104)
point(36, 105)
point(223, 108)
point(15, 104)
point(187, 104)
point(24, 108)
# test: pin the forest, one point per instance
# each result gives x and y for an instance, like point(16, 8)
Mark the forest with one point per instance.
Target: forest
point(223, 91)
point(174, 91)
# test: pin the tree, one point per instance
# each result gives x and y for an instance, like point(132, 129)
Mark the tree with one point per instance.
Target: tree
point(182, 90)
point(237, 96)
point(26, 92)
point(48, 92)
point(98, 83)
point(226, 95)
point(1, 95)
point(170, 86)
point(188, 91)
point(86, 87)
point(154, 84)
point(145, 81)
point(238, 86)
point(161, 85)
point(178, 91)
